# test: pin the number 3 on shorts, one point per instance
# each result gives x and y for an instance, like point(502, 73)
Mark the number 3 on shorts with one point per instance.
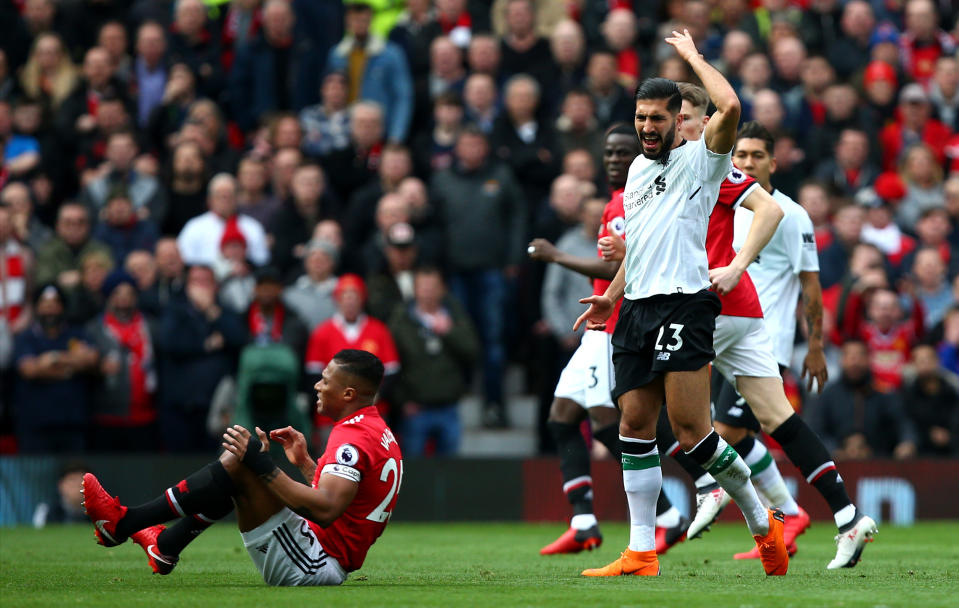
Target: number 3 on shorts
point(676, 338)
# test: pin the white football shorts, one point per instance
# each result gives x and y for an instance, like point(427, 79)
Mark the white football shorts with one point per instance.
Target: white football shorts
point(588, 377)
point(743, 348)
point(287, 553)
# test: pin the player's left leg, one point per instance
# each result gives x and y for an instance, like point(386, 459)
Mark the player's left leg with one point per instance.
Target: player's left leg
point(806, 450)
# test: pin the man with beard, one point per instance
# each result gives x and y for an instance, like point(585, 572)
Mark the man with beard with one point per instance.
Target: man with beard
point(50, 402)
point(663, 341)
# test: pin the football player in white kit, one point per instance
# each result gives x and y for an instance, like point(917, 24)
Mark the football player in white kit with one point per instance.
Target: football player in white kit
point(663, 338)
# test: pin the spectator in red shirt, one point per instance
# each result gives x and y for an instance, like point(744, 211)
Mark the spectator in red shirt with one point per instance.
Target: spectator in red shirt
point(923, 42)
point(889, 333)
point(914, 125)
point(619, 32)
point(850, 170)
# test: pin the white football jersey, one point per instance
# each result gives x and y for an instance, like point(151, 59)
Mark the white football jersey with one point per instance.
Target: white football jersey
point(667, 210)
point(775, 272)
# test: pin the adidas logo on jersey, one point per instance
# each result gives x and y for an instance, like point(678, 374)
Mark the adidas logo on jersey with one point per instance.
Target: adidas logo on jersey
point(354, 419)
point(662, 356)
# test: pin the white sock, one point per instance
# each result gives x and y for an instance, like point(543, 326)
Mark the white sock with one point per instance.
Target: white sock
point(732, 475)
point(669, 519)
point(642, 480)
point(583, 521)
point(768, 481)
point(704, 481)
point(845, 515)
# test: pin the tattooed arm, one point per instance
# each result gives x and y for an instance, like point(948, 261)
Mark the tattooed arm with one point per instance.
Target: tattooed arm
point(815, 361)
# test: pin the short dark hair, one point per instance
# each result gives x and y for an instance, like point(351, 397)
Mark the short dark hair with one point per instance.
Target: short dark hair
point(620, 128)
point(754, 130)
point(363, 365)
point(661, 88)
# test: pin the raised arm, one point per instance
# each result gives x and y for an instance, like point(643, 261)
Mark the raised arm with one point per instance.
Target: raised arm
point(720, 134)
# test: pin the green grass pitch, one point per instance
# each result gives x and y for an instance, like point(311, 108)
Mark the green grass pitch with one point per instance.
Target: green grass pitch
point(484, 565)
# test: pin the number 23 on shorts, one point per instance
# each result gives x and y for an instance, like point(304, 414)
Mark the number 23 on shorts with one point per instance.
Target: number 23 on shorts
point(675, 341)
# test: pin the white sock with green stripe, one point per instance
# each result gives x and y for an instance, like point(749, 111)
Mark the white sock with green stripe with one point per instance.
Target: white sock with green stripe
point(642, 480)
point(732, 474)
point(767, 479)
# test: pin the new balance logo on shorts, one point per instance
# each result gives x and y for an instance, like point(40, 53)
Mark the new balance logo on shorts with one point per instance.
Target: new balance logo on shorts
point(662, 356)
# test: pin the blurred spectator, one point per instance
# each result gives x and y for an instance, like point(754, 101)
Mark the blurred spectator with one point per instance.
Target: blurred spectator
point(123, 398)
point(311, 295)
point(385, 76)
point(483, 218)
point(166, 118)
point(424, 220)
point(437, 346)
point(199, 241)
point(276, 70)
point(78, 114)
point(252, 197)
point(391, 284)
point(922, 176)
point(186, 194)
point(851, 51)
point(233, 271)
point(889, 332)
point(50, 405)
point(446, 75)
point(391, 209)
point(950, 191)
point(815, 200)
point(433, 148)
point(619, 33)
point(613, 103)
point(455, 21)
point(484, 56)
point(354, 166)
point(166, 283)
point(522, 140)
point(933, 231)
point(293, 224)
point(285, 162)
point(480, 101)
point(198, 343)
point(27, 229)
point(922, 42)
point(768, 110)
point(880, 230)
point(16, 265)
point(949, 346)
point(931, 286)
point(20, 153)
point(85, 301)
point(326, 125)
point(944, 91)
point(415, 31)
point(49, 74)
point(119, 172)
point(579, 163)
point(351, 328)
point(577, 126)
point(122, 229)
point(849, 170)
point(788, 55)
point(855, 420)
point(737, 45)
point(842, 111)
point(8, 84)
point(916, 124)
point(268, 319)
point(568, 46)
point(67, 507)
point(562, 211)
point(149, 70)
point(359, 216)
point(834, 259)
point(755, 74)
point(59, 260)
point(932, 403)
point(521, 48)
point(880, 83)
point(112, 36)
point(141, 265)
point(194, 42)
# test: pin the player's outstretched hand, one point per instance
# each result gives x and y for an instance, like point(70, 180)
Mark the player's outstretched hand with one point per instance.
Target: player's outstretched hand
point(294, 444)
point(595, 317)
point(542, 250)
point(684, 44)
point(724, 279)
point(235, 440)
point(815, 366)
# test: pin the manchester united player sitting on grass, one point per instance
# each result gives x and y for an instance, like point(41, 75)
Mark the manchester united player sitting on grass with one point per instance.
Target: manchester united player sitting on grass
point(295, 534)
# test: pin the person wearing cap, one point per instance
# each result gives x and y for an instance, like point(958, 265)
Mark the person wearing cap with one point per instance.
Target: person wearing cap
point(311, 295)
point(124, 394)
point(880, 83)
point(350, 327)
point(392, 284)
point(916, 124)
point(376, 68)
point(51, 399)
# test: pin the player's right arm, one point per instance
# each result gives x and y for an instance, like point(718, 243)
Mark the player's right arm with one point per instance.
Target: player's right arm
point(720, 133)
point(815, 362)
point(594, 268)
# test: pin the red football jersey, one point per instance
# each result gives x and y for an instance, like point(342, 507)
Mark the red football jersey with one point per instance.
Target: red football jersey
point(334, 335)
point(742, 301)
point(362, 449)
point(613, 213)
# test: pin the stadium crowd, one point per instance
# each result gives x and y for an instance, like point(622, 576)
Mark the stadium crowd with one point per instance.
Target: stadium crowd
point(194, 190)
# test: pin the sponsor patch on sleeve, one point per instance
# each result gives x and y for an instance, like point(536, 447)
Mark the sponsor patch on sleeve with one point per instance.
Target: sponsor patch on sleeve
point(342, 471)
